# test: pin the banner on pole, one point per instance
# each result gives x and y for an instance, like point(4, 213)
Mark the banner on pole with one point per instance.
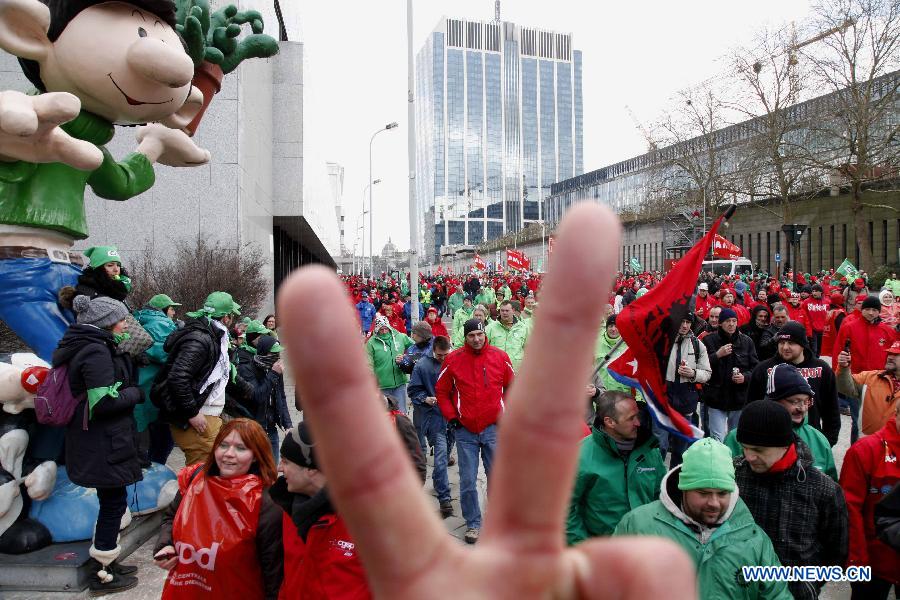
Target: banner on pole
point(635, 264)
point(517, 260)
point(847, 269)
point(479, 263)
point(722, 248)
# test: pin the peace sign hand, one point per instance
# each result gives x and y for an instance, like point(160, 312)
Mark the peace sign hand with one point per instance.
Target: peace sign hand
point(405, 549)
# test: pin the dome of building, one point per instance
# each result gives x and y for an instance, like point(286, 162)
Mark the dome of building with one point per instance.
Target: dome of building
point(389, 249)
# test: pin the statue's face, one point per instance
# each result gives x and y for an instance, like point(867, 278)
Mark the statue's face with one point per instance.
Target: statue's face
point(125, 64)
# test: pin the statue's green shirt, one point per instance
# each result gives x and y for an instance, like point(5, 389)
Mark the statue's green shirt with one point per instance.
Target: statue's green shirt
point(51, 195)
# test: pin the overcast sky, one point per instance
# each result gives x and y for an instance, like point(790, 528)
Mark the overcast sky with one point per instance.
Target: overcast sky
point(635, 53)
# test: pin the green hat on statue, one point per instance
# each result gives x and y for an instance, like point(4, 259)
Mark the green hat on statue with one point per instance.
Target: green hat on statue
point(257, 327)
point(162, 302)
point(218, 304)
point(100, 255)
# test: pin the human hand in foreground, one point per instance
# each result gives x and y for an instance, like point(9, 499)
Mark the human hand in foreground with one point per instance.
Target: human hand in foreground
point(405, 548)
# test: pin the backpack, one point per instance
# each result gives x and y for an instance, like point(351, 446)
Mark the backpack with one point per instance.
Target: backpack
point(54, 403)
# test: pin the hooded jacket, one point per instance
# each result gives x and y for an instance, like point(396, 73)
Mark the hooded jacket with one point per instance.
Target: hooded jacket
point(193, 352)
point(104, 455)
point(721, 392)
point(870, 471)
point(382, 350)
point(718, 552)
point(472, 386)
point(752, 330)
point(824, 413)
point(459, 320)
point(803, 512)
point(159, 327)
point(366, 312)
point(608, 484)
point(267, 404)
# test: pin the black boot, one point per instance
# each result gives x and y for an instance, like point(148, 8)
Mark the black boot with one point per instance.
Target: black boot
point(116, 567)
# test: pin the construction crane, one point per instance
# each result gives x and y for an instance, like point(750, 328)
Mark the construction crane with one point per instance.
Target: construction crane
point(651, 145)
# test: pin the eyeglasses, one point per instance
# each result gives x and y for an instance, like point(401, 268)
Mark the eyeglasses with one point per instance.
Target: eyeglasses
point(799, 403)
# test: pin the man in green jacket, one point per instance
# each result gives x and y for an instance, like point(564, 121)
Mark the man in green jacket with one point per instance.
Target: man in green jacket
point(455, 301)
point(619, 469)
point(607, 350)
point(385, 351)
point(486, 296)
point(791, 390)
point(509, 334)
point(463, 314)
point(699, 509)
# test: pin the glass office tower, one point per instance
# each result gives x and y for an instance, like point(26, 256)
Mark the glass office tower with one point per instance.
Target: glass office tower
point(498, 120)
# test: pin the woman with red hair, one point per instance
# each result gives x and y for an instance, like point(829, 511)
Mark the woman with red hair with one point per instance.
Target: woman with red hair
point(221, 536)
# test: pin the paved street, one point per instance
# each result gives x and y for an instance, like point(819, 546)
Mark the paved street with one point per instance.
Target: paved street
point(152, 578)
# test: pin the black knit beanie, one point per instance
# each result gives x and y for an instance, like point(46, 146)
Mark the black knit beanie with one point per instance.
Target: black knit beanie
point(872, 302)
point(766, 424)
point(297, 447)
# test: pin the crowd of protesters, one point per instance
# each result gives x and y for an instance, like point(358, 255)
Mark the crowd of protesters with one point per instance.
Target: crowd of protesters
point(763, 367)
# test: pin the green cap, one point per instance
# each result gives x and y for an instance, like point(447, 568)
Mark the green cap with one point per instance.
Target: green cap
point(276, 347)
point(218, 304)
point(162, 302)
point(100, 255)
point(246, 320)
point(707, 464)
point(256, 327)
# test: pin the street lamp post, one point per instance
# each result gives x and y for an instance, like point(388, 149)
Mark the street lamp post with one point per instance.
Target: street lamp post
point(392, 125)
point(364, 211)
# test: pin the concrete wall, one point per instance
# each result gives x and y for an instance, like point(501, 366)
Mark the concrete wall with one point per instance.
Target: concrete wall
point(254, 132)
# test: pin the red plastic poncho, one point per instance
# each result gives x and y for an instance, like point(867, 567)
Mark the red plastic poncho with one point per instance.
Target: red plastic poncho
point(215, 539)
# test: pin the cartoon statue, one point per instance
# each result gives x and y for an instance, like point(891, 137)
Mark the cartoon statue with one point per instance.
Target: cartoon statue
point(51, 144)
point(94, 64)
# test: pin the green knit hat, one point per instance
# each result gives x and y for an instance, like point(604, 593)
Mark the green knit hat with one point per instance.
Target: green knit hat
point(100, 255)
point(162, 302)
point(256, 327)
point(707, 464)
point(218, 304)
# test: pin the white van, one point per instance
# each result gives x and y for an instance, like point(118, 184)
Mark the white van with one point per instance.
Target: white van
point(735, 266)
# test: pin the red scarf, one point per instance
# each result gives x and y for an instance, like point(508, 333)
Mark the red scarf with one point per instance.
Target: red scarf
point(785, 462)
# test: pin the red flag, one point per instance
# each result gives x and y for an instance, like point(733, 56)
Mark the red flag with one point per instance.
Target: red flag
point(517, 260)
point(722, 248)
point(479, 263)
point(649, 326)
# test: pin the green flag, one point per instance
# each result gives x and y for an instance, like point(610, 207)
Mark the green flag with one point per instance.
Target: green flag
point(847, 269)
point(635, 265)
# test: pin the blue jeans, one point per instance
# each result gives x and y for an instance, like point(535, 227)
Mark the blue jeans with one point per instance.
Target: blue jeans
point(273, 439)
point(721, 422)
point(434, 430)
point(468, 447)
point(28, 301)
point(398, 394)
point(853, 404)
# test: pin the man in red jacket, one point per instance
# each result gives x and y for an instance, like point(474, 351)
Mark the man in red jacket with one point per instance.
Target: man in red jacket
point(869, 338)
point(470, 391)
point(815, 309)
point(871, 469)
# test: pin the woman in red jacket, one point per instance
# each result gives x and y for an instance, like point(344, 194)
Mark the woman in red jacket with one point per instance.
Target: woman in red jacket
point(871, 469)
point(221, 536)
point(437, 326)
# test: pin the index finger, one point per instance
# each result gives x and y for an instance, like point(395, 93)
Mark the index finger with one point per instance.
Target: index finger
point(370, 475)
point(538, 441)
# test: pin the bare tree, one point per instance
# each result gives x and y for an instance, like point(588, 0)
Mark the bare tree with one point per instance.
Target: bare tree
point(198, 267)
point(857, 131)
point(694, 168)
point(769, 86)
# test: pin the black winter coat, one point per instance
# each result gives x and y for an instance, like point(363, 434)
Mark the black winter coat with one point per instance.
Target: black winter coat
point(267, 403)
point(95, 282)
point(824, 414)
point(720, 392)
point(106, 454)
point(193, 352)
point(803, 512)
